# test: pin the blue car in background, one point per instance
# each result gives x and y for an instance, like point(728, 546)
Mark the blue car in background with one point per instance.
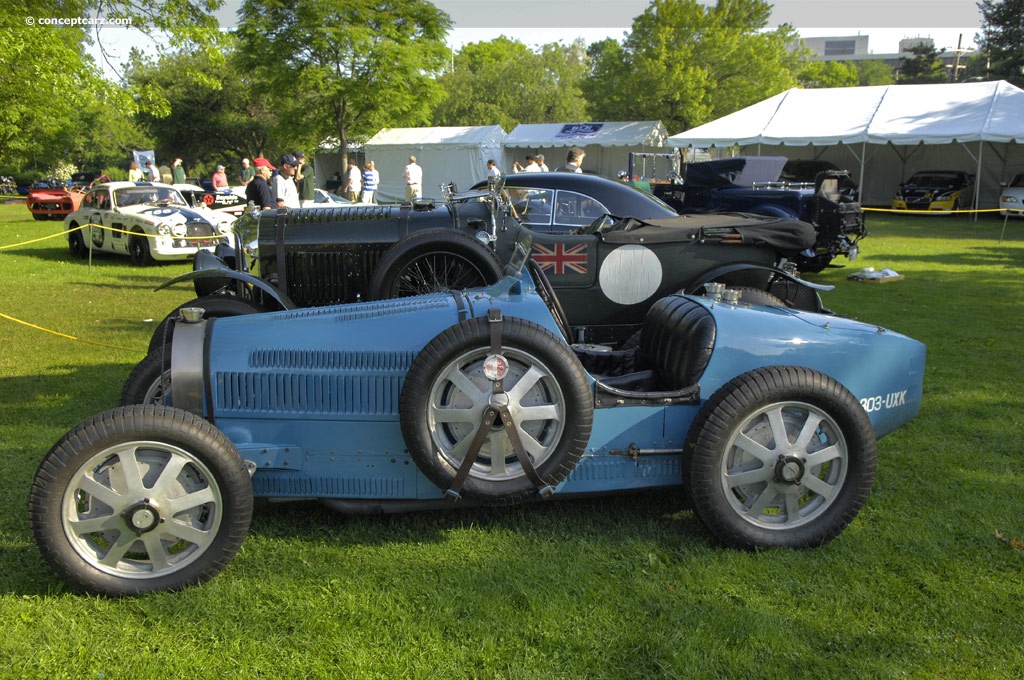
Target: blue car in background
point(766, 416)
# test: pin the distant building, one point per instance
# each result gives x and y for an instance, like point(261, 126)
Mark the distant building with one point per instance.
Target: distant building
point(855, 48)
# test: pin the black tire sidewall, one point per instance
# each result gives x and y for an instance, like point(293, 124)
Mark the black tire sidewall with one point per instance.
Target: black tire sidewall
point(525, 336)
point(138, 423)
point(76, 244)
point(732, 405)
point(423, 243)
point(138, 250)
point(142, 378)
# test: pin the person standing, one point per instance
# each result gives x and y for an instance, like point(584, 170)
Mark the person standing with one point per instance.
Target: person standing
point(305, 181)
point(493, 173)
point(134, 172)
point(541, 165)
point(219, 179)
point(371, 178)
point(177, 172)
point(285, 193)
point(413, 176)
point(531, 165)
point(258, 191)
point(247, 174)
point(573, 161)
point(353, 182)
point(152, 174)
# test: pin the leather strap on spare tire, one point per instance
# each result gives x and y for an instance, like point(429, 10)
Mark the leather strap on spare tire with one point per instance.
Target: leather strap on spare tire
point(496, 426)
point(500, 411)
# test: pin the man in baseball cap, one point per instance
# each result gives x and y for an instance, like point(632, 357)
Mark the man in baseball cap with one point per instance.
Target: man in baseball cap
point(285, 192)
point(258, 190)
point(263, 163)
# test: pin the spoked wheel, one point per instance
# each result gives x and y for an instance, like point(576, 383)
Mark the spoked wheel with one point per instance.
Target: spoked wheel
point(140, 499)
point(547, 293)
point(434, 261)
point(447, 393)
point(780, 457)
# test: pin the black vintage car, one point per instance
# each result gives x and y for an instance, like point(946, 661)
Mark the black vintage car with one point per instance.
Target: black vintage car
point(752, 184)
point(607, 273)
point(564, 201)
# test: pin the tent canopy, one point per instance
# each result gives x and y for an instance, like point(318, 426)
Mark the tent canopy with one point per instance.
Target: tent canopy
point(446, 154)
point(975, 127)
point(897, 114)
point(607, 144)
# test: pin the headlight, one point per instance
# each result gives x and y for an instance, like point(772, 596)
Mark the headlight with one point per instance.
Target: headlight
point(163, 229)
point(944, 196)
point(179, 230)
point(224, 227)
point(1008, 199)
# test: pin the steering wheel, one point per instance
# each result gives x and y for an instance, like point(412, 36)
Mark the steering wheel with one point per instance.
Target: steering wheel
point(547, 294)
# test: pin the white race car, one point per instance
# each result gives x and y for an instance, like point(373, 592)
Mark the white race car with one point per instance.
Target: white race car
point(146, 221)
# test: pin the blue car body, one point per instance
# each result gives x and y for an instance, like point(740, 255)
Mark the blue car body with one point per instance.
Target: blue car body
point(767, 416)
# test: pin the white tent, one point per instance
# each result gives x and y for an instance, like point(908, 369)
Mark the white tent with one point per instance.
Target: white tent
point(885, 133)
point(607, 145)
point(446, 154)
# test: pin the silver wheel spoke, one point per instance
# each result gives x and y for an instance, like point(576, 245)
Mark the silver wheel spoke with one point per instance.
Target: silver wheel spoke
point(117, 551)
point(761, 474)
point(778, 425)
point(96, 524)
point(177, 530)
point(456, 415)
point(187, 502)
point(792, 508)
point(764, 499)
point(497, 440)
point(131, 472)
point(819, 486)
point(755, 449)
point(807, 432)
point(155, 550)
point(543, 412)
point(103, 494)
point(826, 455)
point(525, 384)
point(168, 479)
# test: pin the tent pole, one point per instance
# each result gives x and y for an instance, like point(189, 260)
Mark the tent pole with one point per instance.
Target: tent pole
point(977, 180)
point(863, 159)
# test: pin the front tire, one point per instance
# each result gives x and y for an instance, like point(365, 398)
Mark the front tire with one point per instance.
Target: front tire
point(780, 457)
point(76, 243)
point(437, 260)
point(138, 250)
point(446, 393)
point(140, 499)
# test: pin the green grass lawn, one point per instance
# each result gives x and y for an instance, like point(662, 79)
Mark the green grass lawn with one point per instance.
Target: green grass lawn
point(918, 586)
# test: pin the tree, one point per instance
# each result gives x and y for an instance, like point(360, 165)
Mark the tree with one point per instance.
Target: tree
point(924, 67)
point(345, 69)
point(685, 64)
point(1002, 39)
point(871, 72)
point(504, 82)
point(817, 74)
point(201, 109)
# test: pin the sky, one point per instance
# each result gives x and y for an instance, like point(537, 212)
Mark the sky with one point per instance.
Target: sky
point(536, 22)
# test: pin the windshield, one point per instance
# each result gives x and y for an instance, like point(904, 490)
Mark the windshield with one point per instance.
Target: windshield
point(609, 223)
point(147, 196)
point(935, 180)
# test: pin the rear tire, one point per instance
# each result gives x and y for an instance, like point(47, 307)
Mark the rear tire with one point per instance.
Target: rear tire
point(76, 243)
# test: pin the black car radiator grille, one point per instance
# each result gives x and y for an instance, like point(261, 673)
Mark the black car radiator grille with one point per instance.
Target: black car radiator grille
point(317, 279)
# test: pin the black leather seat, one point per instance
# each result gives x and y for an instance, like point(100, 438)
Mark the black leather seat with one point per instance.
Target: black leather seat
point(676, 342)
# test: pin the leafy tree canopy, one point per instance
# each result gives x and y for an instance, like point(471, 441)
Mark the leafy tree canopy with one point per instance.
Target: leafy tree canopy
point(1002, 39)
point(685, 64)
point(345, 69)
point(818, 74)
point(504, 82)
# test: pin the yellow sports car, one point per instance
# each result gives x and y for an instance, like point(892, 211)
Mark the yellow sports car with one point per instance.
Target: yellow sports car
point(940, 190)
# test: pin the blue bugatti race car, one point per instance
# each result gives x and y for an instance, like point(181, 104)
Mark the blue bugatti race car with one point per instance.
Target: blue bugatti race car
point(766, 416)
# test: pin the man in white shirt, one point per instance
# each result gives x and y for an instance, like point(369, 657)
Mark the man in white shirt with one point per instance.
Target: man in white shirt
point(492, 170)
point(354, 182)
point(413, 176)
point(285, 192)
point(541, 165)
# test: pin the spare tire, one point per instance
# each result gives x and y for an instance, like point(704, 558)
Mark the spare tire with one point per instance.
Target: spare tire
point(431, 261)
point(445, 396)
